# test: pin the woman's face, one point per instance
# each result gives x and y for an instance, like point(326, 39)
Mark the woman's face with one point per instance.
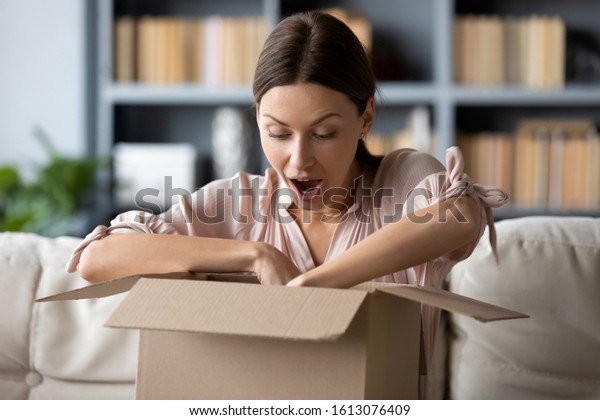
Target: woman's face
point(309, 134)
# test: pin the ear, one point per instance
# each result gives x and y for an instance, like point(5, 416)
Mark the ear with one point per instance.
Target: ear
point(368, 116)
point(257, 106)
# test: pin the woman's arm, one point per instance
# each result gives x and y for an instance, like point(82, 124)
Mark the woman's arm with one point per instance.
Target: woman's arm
point(125, 255)
point(412, 240)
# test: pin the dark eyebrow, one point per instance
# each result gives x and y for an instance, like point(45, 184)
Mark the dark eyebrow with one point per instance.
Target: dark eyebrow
point(317, 121)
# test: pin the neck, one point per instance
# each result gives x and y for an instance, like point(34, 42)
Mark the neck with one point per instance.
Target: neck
point(326, 215)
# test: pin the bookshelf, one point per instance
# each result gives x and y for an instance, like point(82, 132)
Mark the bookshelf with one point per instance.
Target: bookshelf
point(414, 56)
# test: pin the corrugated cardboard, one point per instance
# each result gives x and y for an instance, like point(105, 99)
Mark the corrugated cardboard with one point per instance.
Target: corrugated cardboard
point(236, 340)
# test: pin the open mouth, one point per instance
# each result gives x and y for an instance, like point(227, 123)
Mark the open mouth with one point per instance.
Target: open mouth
point(308, 189)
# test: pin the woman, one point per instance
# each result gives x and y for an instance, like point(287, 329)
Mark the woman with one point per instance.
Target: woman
point(326, 213)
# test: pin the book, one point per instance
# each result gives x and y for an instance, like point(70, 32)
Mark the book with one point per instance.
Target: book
point(491, 50)
point(541, 153)
point(558, 43)
point(581, 170)
point(124, 49)
point(524, 161)
point(569, 172)
point(512, 51)
point(213, 50)
point(556, 169)
point(175, 51)
point(470, 48)
point(562, 159)
point(506, 153)
point(489, 158)
point(194, 45)
point(144, 49)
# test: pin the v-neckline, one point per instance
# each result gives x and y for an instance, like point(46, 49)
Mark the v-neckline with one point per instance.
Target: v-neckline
point(307, 255)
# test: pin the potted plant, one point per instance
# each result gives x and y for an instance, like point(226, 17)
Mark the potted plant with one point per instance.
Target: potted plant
point(56, 202)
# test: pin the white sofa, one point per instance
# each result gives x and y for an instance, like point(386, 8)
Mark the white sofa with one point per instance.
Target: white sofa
point(549, 268)
point(58, 350)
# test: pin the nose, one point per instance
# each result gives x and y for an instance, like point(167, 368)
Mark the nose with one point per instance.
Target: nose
point(301, 154)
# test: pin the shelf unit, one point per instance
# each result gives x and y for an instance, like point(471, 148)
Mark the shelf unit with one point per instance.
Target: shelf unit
point(417, 34)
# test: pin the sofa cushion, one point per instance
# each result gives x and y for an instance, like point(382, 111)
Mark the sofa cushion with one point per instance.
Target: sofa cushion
point(550, 269)
point(57, 350)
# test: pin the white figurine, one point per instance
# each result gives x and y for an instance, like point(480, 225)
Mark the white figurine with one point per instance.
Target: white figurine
point(231, 141)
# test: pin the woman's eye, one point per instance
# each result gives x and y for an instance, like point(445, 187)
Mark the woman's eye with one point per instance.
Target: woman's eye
point(324, 136)
point(278, 136)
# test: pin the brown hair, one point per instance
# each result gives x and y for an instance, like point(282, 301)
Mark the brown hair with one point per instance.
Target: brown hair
point(314, 47)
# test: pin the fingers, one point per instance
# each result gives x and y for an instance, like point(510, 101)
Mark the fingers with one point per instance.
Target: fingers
point(294, 282)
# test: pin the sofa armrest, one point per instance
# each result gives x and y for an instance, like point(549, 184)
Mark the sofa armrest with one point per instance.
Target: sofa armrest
point(550, 269)
point(57, 350)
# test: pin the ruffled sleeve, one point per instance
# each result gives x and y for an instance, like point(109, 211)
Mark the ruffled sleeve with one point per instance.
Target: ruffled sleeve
point(436, 187)
point(460, 184)
point(179, 220)
point(454, 182)
point(208, 212)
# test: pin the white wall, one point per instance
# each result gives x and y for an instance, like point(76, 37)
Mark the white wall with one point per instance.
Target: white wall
point(42, 77)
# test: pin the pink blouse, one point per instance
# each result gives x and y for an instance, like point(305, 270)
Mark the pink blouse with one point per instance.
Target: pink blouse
point(253, 207)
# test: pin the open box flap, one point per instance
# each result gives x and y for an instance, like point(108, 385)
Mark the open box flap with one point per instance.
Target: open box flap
point(97, 290)
point(113, 287)
point(238, 309)
point(452, 302)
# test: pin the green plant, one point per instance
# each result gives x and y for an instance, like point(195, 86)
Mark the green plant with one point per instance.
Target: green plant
point(48, 204)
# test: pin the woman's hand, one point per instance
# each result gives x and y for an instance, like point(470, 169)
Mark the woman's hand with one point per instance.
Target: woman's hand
point(273, 267)
point(296, 282)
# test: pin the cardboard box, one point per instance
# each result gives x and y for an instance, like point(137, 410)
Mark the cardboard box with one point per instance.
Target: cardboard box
point(231, 339)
